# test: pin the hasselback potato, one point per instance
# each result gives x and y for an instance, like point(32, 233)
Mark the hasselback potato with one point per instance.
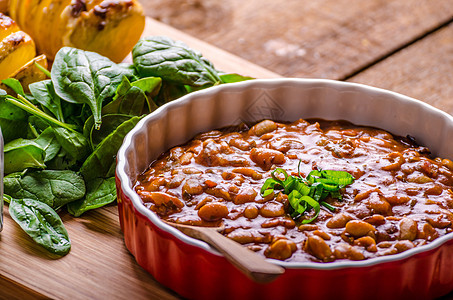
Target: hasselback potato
point(108, 27)
point(17, 54)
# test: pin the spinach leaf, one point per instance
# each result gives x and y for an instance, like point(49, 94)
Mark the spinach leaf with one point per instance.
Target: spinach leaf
point(13, 120)
point(230, 78)
point(73, 142)
point(169, 92)
point(44, 93)
point(110, 123)
point(49, 143)
point(10, 129)
point(55, 188)
point(128, 100)
point(7, 198)
point(149, 85)
point(101, 163)
point(130, 97)
point(63, 161)
point(21, 154)
point(86, 78)
point(15, 85)
point(42, 224)
point(174, 61)
point(100, 192)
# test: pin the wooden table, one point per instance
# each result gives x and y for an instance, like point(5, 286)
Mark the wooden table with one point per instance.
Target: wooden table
point(405, 46)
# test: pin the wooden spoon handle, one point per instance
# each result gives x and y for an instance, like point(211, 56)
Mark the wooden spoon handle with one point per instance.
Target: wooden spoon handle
point(251, 264)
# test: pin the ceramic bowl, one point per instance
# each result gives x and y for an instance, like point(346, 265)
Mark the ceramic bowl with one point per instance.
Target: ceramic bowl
point(196, 271)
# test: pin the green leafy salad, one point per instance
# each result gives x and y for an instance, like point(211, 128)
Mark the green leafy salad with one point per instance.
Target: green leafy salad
point(61, 138)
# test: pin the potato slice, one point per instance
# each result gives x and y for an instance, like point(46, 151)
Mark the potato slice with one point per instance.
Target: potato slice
point(15, 51)
point(39, 23)
point(13, 7)
point(7, 26)
point(103, 28)
point(49, 12)
point(29, 73)
point(4, 6)
point(26, 15)
point(59, 25)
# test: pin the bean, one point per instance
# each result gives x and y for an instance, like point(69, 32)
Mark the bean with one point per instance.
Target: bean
point(346, 251)
point(156, 184)
point(219, 193)
point(266, 136)
point(248, 172)
point(203, 202)
point(402, 246)
point(189, 171)
point(192, 187)
point(286, 145)
point(447, 163)
point(210, 183)
point(263, 127)
point(375, 220)
point(251, 212)
point(385, 244)
point(428, 168)
point(428, 232)
point(280, 249)
point(265, 158)
point(322, 235)
point(363, 195)
point(213, 211)
point(397, 199)
point(288, 223)
point(233, 189)
point(435, 190)
point(245, 195)
point(308, 227)
point(359, 228)
point(228, 175)
point(246, 237)
point(368, 242)
point(338, 221)
point(175, 153)
point(161, 198)
point(283, 198)
point(236, 161)
point(408, 229)
point(378, 204)
point(225, 148)
point(319, 248)
point(272, 209)
point(395, 160)
point(439, 222)
point(240, 144)
point(418, 177)
point(186, 158)
point(175, 181)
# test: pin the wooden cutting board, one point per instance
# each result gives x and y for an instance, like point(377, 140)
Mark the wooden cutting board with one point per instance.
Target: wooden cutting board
point(99, 266)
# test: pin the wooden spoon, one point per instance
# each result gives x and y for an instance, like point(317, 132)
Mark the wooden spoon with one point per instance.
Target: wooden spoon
point(251, 264)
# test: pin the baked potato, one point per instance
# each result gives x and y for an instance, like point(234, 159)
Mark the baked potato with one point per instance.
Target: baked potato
point(108, 27)
point(16, 47)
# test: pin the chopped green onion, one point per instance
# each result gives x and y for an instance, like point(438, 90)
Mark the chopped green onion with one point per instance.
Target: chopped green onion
point(307, 193)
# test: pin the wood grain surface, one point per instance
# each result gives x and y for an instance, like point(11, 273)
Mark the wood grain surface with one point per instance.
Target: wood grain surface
point(423, 70)
point(317, 39)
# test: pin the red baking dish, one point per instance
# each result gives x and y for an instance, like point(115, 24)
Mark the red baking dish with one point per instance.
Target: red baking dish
point(196, 271)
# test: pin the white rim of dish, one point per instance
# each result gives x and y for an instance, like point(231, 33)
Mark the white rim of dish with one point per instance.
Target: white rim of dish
point(138, 204)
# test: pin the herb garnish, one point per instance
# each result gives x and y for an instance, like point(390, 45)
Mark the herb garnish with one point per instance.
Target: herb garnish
point(306, 193)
